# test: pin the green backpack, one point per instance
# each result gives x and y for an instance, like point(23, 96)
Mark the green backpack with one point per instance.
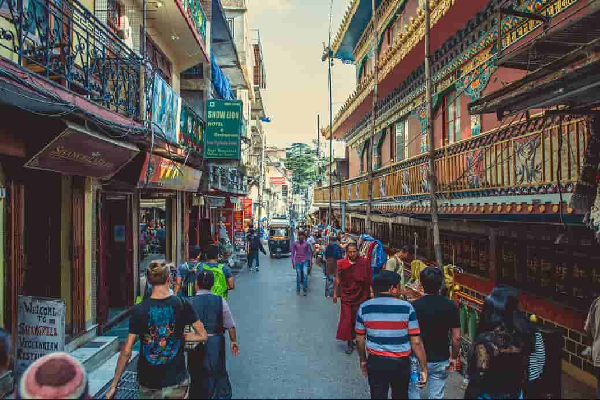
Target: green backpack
point(220, 286)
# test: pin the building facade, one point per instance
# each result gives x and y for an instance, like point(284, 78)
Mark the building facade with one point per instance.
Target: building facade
point(505, 185)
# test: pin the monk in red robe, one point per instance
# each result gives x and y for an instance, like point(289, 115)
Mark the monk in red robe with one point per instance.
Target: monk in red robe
point(354, 276)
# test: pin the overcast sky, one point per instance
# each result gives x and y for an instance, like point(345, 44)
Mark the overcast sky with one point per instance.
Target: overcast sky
point(292, 33)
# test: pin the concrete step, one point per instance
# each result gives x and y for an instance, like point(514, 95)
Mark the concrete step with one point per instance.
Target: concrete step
point(95, 353)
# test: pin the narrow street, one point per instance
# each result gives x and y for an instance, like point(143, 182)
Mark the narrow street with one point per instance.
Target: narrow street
point(287, 341)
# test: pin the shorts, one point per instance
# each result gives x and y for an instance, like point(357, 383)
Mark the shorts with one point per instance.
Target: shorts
point(172, 392)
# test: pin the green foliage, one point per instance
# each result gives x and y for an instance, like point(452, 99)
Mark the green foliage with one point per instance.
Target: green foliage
point(303, 161)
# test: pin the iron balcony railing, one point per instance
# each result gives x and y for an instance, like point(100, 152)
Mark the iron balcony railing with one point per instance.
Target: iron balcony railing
point(64, 42)
point(194, 10)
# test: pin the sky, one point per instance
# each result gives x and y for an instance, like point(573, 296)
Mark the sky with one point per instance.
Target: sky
point(292, 34)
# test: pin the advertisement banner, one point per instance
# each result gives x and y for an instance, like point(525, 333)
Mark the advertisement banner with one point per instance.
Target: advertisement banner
point(247, 206)
point(162, 173)
point(238, 227)
point(189, 132)
point(222, 137)
point(41, 330)
point(165, 109)
point(277, 180)
point(78, 151)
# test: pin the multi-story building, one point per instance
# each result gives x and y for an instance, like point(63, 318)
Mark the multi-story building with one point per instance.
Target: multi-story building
point(504, 183)
point(100, 156)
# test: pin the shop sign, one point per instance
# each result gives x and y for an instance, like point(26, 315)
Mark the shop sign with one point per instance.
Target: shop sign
point(165, 109)
point(222, 137)
point(247, 206)
point(162, 173)
point(78, 151)
point(277, 180)
point(189, 133)
point(40, 330)
point(215, 202)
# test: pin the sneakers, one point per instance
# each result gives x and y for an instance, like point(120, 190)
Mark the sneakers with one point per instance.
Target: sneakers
point(305, 294)
point(257, 270)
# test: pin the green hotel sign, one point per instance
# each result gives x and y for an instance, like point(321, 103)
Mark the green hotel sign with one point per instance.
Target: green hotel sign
point(222, 138)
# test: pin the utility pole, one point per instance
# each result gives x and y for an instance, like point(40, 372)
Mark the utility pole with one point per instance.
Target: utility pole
point(370, 157)
point(261, 182)
point(439, 257)
point(329, 61)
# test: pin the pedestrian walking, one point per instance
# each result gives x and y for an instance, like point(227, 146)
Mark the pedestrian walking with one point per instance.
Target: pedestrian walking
point(397, 263)
point(353, 283)
point(301, 262)
point(254, 246)
point(388, 330)
point(313, 246)
point(499, 360)
point(333, 253)
point(185, 280)
point(207, 362)
point(159, 323)
point(438, 317)
point(222, 274)
point(592, 328)
point(54, 376)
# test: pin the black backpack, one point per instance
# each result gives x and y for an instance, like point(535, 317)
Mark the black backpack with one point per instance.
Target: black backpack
point(189, 280)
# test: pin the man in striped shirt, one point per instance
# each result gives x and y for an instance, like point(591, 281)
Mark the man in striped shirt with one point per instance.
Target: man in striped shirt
point(388, 331)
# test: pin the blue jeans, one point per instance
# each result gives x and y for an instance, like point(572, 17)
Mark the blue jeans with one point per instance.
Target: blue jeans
point(252, 259)
point(302, 276)
point(436, 385)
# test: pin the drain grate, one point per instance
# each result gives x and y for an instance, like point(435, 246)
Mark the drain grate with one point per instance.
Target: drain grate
point(128, 387)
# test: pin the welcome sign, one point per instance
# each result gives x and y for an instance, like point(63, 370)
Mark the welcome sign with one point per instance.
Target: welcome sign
point(222, 138)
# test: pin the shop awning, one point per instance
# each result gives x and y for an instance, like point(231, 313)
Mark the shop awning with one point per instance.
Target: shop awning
point(569, 65)
point(81, 152)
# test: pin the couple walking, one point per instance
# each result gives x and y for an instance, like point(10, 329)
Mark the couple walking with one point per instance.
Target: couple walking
point(160, 325)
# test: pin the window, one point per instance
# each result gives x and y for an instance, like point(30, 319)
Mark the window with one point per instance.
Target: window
point(231, 23)
point(452, 118)
point(402, 140)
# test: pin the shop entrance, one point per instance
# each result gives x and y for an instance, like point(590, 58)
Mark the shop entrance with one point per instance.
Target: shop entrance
point(155, 230)
point(117, 272)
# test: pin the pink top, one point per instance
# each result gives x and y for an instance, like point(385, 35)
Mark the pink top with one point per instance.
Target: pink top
point(301, 252)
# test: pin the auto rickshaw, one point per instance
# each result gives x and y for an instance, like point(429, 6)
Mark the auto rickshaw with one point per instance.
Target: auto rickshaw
point(280, 236)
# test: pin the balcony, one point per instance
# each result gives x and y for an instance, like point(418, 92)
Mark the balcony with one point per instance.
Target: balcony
point(520, 160)
point(64, 42)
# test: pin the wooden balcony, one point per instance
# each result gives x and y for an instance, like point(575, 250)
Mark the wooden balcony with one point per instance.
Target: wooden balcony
point(526, 158)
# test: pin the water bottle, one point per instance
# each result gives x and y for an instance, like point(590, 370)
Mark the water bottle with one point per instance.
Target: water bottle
point(415, 371)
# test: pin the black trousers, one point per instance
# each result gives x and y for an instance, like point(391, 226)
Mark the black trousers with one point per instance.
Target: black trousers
point(386, 373)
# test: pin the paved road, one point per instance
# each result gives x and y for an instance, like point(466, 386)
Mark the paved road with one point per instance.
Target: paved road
point(288, 342)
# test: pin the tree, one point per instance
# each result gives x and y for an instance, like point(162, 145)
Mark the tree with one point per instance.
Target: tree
point(303, 161)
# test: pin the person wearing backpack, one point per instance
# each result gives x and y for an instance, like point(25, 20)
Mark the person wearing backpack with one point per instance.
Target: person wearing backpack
point(186, 274)
point(224, 280)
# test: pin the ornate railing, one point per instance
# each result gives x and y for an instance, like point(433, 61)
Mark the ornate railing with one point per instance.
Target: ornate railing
point(523, 158)
point(194, 10)
point(65, 42)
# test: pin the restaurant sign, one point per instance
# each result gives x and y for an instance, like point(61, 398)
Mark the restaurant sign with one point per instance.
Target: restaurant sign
point(222, 136)
point(162, 173)
point(78, 151)
point(40, 330)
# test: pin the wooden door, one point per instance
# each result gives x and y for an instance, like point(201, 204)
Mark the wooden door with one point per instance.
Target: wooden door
point(15, 275)
point(78, 255)
point(103, 299)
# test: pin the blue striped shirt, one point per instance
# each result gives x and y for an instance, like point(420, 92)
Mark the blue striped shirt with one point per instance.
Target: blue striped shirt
point(388, 324)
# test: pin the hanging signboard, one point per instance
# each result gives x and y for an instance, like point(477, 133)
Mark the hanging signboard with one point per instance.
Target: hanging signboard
point(222, 136)
point(277, 180)
point(189, 132)
point(40, 330)
point(165, 109)
point(78, 151)
point(238, 227)
point(162, 173)
point(247, 206)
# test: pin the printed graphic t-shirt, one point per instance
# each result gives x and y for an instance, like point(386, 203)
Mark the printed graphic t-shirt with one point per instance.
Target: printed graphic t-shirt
point(159, 325)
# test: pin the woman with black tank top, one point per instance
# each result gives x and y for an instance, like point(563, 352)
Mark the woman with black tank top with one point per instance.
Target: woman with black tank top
point(207, 362)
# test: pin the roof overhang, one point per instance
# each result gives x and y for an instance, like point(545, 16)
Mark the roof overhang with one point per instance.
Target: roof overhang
point(224, 49)
point(353, 26)
point(569, 65)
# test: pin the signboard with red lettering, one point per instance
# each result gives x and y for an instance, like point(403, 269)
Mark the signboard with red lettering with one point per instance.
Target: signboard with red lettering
point(40, 330)
point(238, 227)
point(162, 173)
point(247, 206)
point(277, 180)
point(78, 151)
